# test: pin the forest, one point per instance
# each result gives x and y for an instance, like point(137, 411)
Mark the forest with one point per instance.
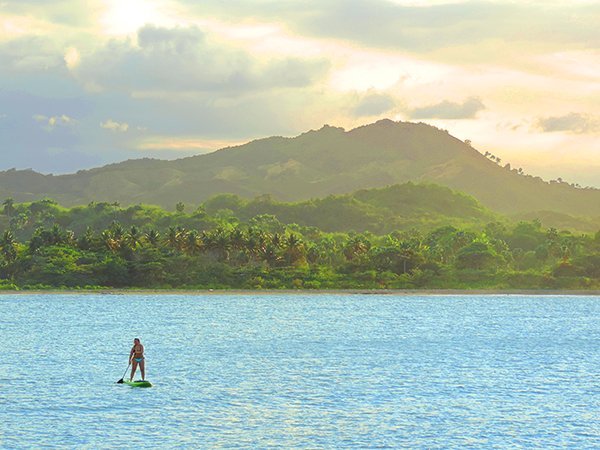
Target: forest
point(358, 241)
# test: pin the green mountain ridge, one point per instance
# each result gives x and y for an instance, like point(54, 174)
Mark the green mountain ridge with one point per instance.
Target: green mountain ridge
point(314, 164)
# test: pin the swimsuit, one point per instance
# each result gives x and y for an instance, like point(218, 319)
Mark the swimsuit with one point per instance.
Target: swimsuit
point(137, 360)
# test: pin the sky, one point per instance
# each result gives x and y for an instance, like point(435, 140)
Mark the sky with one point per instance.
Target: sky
point(84, 84)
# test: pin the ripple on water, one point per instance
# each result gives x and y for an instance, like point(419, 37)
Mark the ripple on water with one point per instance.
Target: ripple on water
point(301, 371)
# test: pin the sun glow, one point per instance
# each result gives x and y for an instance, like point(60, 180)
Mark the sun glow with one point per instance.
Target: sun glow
point(12, 26)
point(127, 16)
point(184, 143)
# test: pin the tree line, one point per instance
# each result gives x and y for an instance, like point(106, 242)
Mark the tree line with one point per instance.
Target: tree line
point(147, 247)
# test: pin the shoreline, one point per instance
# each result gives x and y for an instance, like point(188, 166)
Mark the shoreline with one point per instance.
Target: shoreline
point(248, 292)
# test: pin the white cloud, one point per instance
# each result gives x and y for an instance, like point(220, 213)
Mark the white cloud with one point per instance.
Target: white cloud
point(53, 121)
point(72, 57)
point(112, 125)
point(188, 60)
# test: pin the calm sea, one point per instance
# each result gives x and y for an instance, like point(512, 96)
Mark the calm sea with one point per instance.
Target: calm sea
point(301, 371)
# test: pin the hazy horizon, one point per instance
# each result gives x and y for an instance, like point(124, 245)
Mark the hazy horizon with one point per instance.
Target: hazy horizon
point(87, 85)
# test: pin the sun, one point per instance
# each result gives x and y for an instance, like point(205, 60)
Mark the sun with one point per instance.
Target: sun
point(122, 17)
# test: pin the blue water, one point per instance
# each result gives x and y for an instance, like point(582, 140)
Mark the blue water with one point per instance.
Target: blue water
point(301, 371)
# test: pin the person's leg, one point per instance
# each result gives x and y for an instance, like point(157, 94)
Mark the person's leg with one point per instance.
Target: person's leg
point(143, 368)
point(134, 365)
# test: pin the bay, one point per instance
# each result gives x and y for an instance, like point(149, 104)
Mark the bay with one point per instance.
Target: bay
point(301, 371)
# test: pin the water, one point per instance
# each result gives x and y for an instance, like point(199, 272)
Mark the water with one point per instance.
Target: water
point(301, 371)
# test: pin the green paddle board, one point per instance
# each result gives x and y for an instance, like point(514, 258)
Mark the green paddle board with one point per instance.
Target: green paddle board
point(137, 383)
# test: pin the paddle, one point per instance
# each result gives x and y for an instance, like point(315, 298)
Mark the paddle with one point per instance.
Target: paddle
point(121, 380)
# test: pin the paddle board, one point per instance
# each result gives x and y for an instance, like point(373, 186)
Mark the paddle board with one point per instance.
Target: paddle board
point(138, 383)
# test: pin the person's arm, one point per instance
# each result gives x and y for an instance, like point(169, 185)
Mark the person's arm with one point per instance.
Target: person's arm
point(131, 353)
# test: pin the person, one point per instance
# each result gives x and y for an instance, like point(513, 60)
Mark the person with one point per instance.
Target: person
point(136, 357)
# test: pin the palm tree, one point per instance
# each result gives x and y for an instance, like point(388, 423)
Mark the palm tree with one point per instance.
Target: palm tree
point(314, 253)
point(356, 247)
point(117, 230)
point(8, 249)
point(192, 244)
point(113, 237)
point(277, 240)
point(9, 207)
point(58, 235)
point(8, 246)
point(133, 238)
point(173, 238)
point(152, 237)
point(222, 244)
point(256, 242)
point(110, 242)
point(294, 250)
point(54, 236)
point(218, 243)
point(329, 249)
point(86, 241)
point(237, 239)
point(270, 254)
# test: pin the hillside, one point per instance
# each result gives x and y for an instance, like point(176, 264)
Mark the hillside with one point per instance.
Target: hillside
point(380, 211)
point(397, 207)
point(314, 164)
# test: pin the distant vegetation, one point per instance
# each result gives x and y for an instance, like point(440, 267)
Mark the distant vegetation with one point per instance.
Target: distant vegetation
point(408, 236)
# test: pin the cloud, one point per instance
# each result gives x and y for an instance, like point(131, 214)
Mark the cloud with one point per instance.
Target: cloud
point(176, 144)
point(63, 12)
point(572, 123)
point(55, 134)
point(72, 57)
point(373, 104)
point(29, 54)
point(186, 60)
point(54, 121)
point(114, 126)
point(232, 71)
point(53, 145)
point(449, 110)
point(387, 24)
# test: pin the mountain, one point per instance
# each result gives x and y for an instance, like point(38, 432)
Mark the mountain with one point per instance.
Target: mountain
point(314, 164)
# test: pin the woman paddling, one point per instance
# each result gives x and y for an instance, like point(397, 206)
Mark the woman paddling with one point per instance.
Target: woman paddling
point(136, 357)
